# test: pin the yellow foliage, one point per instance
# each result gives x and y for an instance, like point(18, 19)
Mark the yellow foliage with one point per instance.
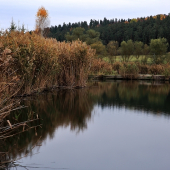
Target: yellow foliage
point(133, 20)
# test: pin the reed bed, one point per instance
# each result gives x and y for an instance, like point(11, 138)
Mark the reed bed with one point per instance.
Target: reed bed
point(10, 85)
point(40, 63)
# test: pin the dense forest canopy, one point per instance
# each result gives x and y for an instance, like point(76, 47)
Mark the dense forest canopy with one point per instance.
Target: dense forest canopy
point(137, 29)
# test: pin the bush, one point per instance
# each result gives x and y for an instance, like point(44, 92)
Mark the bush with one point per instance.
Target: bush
point(129, 70)
point(143, 69)
point(101, 67)
point(156, 69)
point(166, 70)
point(116, 66)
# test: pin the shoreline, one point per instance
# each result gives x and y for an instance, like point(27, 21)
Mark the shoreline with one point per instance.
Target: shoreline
point(130, 77)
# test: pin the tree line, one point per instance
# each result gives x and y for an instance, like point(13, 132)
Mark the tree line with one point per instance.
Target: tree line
point(140, 29)
point(156, 49)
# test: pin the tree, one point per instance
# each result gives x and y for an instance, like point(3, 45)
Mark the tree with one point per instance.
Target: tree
point(112, 49)
point(99, 47)
point(146, 49)
point(92, 36)
point(13, 26)
point(23, 28)
point(42, 20)
point(138, 46)
point(126, 49)
point(145, 53)
point(77, 33)
point(158, 49)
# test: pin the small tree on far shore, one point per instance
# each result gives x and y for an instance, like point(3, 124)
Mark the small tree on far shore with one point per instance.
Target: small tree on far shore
point(126, 50)
point(158, 50)
point(42, 20)
point(112, 49)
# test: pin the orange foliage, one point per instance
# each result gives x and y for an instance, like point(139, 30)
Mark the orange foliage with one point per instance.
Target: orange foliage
point(42, 12)
point(162, 17)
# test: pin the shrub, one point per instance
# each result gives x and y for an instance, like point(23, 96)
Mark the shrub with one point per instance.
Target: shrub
point(129, 70)
point(101, 67)
point(116, 66)
point(156, 69)
point(143, 69)
point(166, 70)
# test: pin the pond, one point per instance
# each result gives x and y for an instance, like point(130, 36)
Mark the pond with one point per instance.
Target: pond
point(108, 125)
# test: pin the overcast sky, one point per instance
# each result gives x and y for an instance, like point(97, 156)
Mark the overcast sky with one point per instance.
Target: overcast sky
point(60, 11)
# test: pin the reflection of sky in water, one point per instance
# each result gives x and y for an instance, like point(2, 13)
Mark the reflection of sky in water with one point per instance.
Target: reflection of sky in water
point(115, 139)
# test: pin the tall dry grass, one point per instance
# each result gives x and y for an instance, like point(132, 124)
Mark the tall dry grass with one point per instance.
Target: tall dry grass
point(75, 60)
point(40, 63)
point(10, 85)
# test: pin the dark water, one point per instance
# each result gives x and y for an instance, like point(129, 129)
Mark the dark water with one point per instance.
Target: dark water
point(107, 126)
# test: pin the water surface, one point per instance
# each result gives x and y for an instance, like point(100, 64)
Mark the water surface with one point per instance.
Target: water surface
point(109, 125)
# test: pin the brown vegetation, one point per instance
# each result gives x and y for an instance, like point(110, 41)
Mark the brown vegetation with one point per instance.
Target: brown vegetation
point(101, 67)
point(41, 63)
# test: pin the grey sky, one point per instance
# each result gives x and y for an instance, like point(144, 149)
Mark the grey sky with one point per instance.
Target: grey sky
point(24, 11)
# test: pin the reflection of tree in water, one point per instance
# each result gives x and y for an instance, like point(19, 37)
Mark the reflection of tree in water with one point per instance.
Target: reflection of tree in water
point(141, 96)
point(73, 108)
point(128, 90)
point(65, 108)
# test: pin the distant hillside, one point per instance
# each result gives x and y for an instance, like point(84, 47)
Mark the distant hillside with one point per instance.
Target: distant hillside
point(137, 29)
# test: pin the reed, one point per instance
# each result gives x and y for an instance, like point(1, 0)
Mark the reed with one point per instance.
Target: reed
point(10, 85)
point(40, 63)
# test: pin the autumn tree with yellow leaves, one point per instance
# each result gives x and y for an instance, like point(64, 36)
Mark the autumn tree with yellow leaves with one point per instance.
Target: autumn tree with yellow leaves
point(42, 21)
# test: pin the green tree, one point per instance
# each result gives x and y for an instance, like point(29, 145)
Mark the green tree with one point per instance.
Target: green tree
point(138, 47)
point(99, 47)
point(77, 33)
point(145, 53)
point(92, 36)
point(13, 26)
point(146, 49)
point(112, 49)
point(23, 28)
point(158, 50)
point(126, 50)
point(94, 41)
